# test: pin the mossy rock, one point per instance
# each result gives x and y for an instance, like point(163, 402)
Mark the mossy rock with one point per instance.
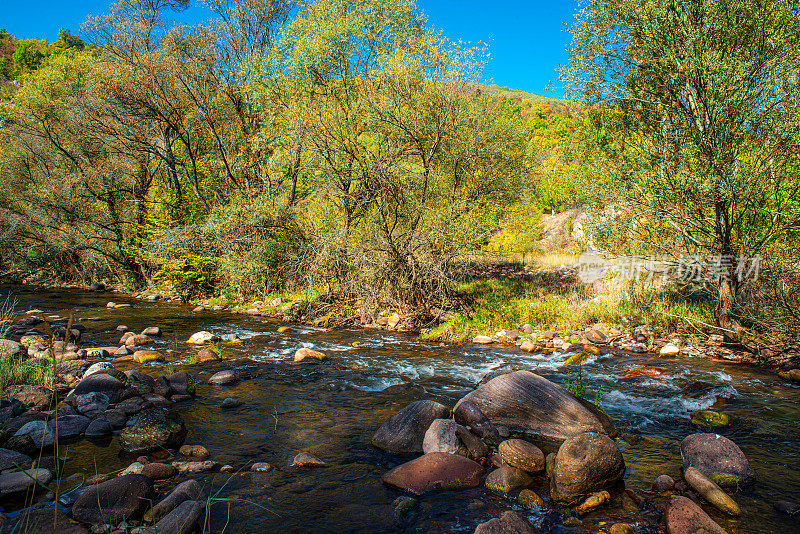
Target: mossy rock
point(709, 418)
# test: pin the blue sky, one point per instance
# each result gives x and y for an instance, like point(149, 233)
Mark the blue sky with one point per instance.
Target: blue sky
point(526, 38)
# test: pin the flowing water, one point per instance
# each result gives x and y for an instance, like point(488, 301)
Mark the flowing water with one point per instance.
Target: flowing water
point(331, 410)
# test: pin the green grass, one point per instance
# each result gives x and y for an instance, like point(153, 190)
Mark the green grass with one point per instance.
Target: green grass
point(16, 372)
point(548, 302)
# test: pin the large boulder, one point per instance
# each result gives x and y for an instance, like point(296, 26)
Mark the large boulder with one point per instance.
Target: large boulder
point(154, 428)
point(683, 516)
point(435, 471)
point(544, 412)
point(510, 522)
point(113, 501)
point(585, 464)
point(404, 432)
point(718, 458)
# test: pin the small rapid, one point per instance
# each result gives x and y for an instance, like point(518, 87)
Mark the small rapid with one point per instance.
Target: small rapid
point(332, 410)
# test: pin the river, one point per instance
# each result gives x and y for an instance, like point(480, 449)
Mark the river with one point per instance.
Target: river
point(331, 410)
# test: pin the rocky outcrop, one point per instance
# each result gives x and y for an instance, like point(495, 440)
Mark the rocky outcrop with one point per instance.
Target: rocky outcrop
point(544, 412)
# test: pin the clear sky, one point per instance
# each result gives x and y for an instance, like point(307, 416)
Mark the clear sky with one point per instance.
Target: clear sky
point(526, 38)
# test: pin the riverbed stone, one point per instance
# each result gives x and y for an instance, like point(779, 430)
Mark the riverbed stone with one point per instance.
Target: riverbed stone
point(39, 431)
point(137, 340)
point(585, 464)
point(511, 522)
point(709, 418)
point(13, 460)
point(307, 355)
point(185, 491)
point(159, 471)
point(70, 426)
point(683, 516)
point(113, 501)
point(787, 507)
point(544, 412)
point(98, 428)
point(530, 500)
point(154, 428)
point(308, 460)
point(470, 416)
point(202, 337)
point(441, 437)
point(100, 383)
point(711, 492)
point(195, 466)
point(180, 383)
point(19, 482)
point(522, 455)
point(663, 483)
point(152, 331)
point(183, 518)
point(404, 432)
point(506, 479)
point(193, 451)
point(148, 356)
point(75, 368)
point(435, 471)
point(224, 378)
point(37, 397)
point(718, 458)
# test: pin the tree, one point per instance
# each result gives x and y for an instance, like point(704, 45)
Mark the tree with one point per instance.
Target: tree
point(696, 106)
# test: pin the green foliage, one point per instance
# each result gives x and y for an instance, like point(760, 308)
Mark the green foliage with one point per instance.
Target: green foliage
point(522, 229)
point(189, 276)
point(696, 121)
point(576, 383)
point(28, 55)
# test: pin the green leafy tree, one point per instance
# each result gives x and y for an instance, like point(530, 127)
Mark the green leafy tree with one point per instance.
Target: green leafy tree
point(696, 107)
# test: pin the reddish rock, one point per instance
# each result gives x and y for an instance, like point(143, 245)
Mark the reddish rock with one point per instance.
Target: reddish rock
point(683, 516)
point(435, 471)
point(509, 523)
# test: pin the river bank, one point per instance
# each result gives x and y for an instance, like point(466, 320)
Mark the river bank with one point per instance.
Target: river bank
point(333, 409)
point(533, 308)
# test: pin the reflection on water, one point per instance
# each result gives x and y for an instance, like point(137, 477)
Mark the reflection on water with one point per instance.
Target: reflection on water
point(331, 410)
